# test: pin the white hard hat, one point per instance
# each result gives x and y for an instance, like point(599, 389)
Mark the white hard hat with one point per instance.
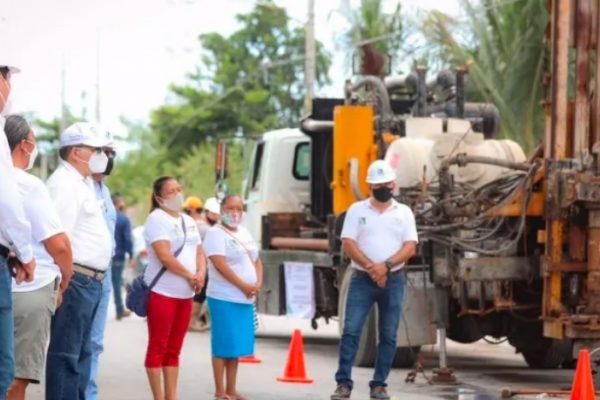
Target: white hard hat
point(380, 171)
point(85, 133)
point(212, 205)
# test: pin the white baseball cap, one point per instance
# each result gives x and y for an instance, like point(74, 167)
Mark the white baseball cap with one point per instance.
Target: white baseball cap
point(87, 134)
point(380, 171)
point(212, 205)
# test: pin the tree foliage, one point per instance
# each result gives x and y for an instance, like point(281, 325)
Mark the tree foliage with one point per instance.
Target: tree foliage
point(503, 45)
point(250, 81)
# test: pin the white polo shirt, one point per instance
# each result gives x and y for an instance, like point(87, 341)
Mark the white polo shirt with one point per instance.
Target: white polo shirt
point(379, 235)
point(15, 230)
point(45, 223)
point(82, 217)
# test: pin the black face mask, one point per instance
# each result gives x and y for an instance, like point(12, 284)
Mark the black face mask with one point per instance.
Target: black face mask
point(109, 166)
point(382, 194)
point(211, 222)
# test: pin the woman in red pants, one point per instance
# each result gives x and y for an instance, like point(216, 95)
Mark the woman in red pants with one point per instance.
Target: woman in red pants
point(177, 266)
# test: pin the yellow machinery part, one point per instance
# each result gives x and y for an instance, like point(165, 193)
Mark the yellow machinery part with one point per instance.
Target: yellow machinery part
point(353, 143)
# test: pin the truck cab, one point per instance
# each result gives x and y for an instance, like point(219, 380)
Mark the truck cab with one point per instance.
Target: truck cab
point(278, 179)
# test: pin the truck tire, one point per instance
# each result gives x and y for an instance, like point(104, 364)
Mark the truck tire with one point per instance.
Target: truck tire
point(549, 355)
point(406, 357)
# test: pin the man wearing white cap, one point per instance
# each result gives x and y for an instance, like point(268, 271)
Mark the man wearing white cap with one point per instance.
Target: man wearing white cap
point(71, 189)
point(15, 236)
point(379, 236)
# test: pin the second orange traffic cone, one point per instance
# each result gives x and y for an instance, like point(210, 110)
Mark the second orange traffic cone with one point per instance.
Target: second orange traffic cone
point(295, 371)
point(583, 384)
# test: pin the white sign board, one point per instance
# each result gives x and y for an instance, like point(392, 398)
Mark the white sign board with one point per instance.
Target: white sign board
point(299, 290)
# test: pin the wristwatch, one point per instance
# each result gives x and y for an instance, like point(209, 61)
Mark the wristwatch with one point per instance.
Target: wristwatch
point(388, 264)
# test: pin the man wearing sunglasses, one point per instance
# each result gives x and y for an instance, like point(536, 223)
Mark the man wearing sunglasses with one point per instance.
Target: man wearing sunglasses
point(72, 190)
point(15, 236)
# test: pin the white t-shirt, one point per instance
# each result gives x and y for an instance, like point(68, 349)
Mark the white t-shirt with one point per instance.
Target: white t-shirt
point(379, 235)
point(162, 226)
point(81, 215)
point(45, 223)
point(219, 242)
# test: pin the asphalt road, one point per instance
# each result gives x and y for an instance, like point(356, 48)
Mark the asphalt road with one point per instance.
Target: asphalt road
point(482, 368)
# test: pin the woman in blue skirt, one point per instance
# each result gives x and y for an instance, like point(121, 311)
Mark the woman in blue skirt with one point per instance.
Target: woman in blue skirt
point(235, 277)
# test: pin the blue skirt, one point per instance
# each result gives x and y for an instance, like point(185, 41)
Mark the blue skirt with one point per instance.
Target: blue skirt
point(231, 328)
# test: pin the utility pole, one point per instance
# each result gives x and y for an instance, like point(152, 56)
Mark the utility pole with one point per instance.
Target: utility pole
point(310, 62)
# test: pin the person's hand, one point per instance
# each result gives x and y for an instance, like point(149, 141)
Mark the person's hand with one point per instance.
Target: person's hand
point(248, 289)
point(29, 270)
point(191, 279)
point(200, 278)
point(59, 299)
point(377, 272)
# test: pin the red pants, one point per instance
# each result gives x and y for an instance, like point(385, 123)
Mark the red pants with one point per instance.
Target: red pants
point(168, 321)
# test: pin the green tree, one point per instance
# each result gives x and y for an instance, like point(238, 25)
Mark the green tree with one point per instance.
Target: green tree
point(503, 45)
point(251, 81)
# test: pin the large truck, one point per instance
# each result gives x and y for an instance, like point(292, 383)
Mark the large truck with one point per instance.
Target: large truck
point(508, 243)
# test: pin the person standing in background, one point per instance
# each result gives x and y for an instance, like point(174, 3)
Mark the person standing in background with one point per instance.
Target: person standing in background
point(15, 236)
point(82, 153)
point(110, 215)
point(200, 321)
point(123, 248)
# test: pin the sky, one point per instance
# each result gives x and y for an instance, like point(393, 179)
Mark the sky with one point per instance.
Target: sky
point(134, 49)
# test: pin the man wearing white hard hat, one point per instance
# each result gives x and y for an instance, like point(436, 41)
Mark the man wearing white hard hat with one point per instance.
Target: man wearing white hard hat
point(379, 236)
point(71, 188)
point(15, 237)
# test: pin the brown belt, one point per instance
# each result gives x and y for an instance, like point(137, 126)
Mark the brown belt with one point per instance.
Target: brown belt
point(90, 272)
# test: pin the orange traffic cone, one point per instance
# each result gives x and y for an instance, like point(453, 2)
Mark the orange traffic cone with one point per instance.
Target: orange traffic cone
point(295, 371)
point(250, 360)
point(583, 384)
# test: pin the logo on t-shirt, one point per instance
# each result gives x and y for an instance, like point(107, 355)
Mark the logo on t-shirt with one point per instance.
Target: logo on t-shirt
point(362, 220)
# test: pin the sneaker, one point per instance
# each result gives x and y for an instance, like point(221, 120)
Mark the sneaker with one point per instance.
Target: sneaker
point(342, 392)
point(379, 393)
point(125, 314)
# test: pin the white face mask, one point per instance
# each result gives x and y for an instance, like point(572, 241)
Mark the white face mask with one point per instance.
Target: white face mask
point(98, 162)
point(174, 203)
point(32, 156)
point(232, 219)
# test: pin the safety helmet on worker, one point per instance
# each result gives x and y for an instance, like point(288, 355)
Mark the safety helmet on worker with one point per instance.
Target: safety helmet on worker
point(192, 203)
point(380, 171)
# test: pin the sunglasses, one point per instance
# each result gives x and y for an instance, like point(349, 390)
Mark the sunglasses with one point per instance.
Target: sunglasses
point(97, 150)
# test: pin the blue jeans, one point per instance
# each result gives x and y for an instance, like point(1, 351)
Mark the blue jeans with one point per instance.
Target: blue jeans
point(7, 352)
point(117, 284)
point(97, 336)
point(362, 294)
point(70, 351)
